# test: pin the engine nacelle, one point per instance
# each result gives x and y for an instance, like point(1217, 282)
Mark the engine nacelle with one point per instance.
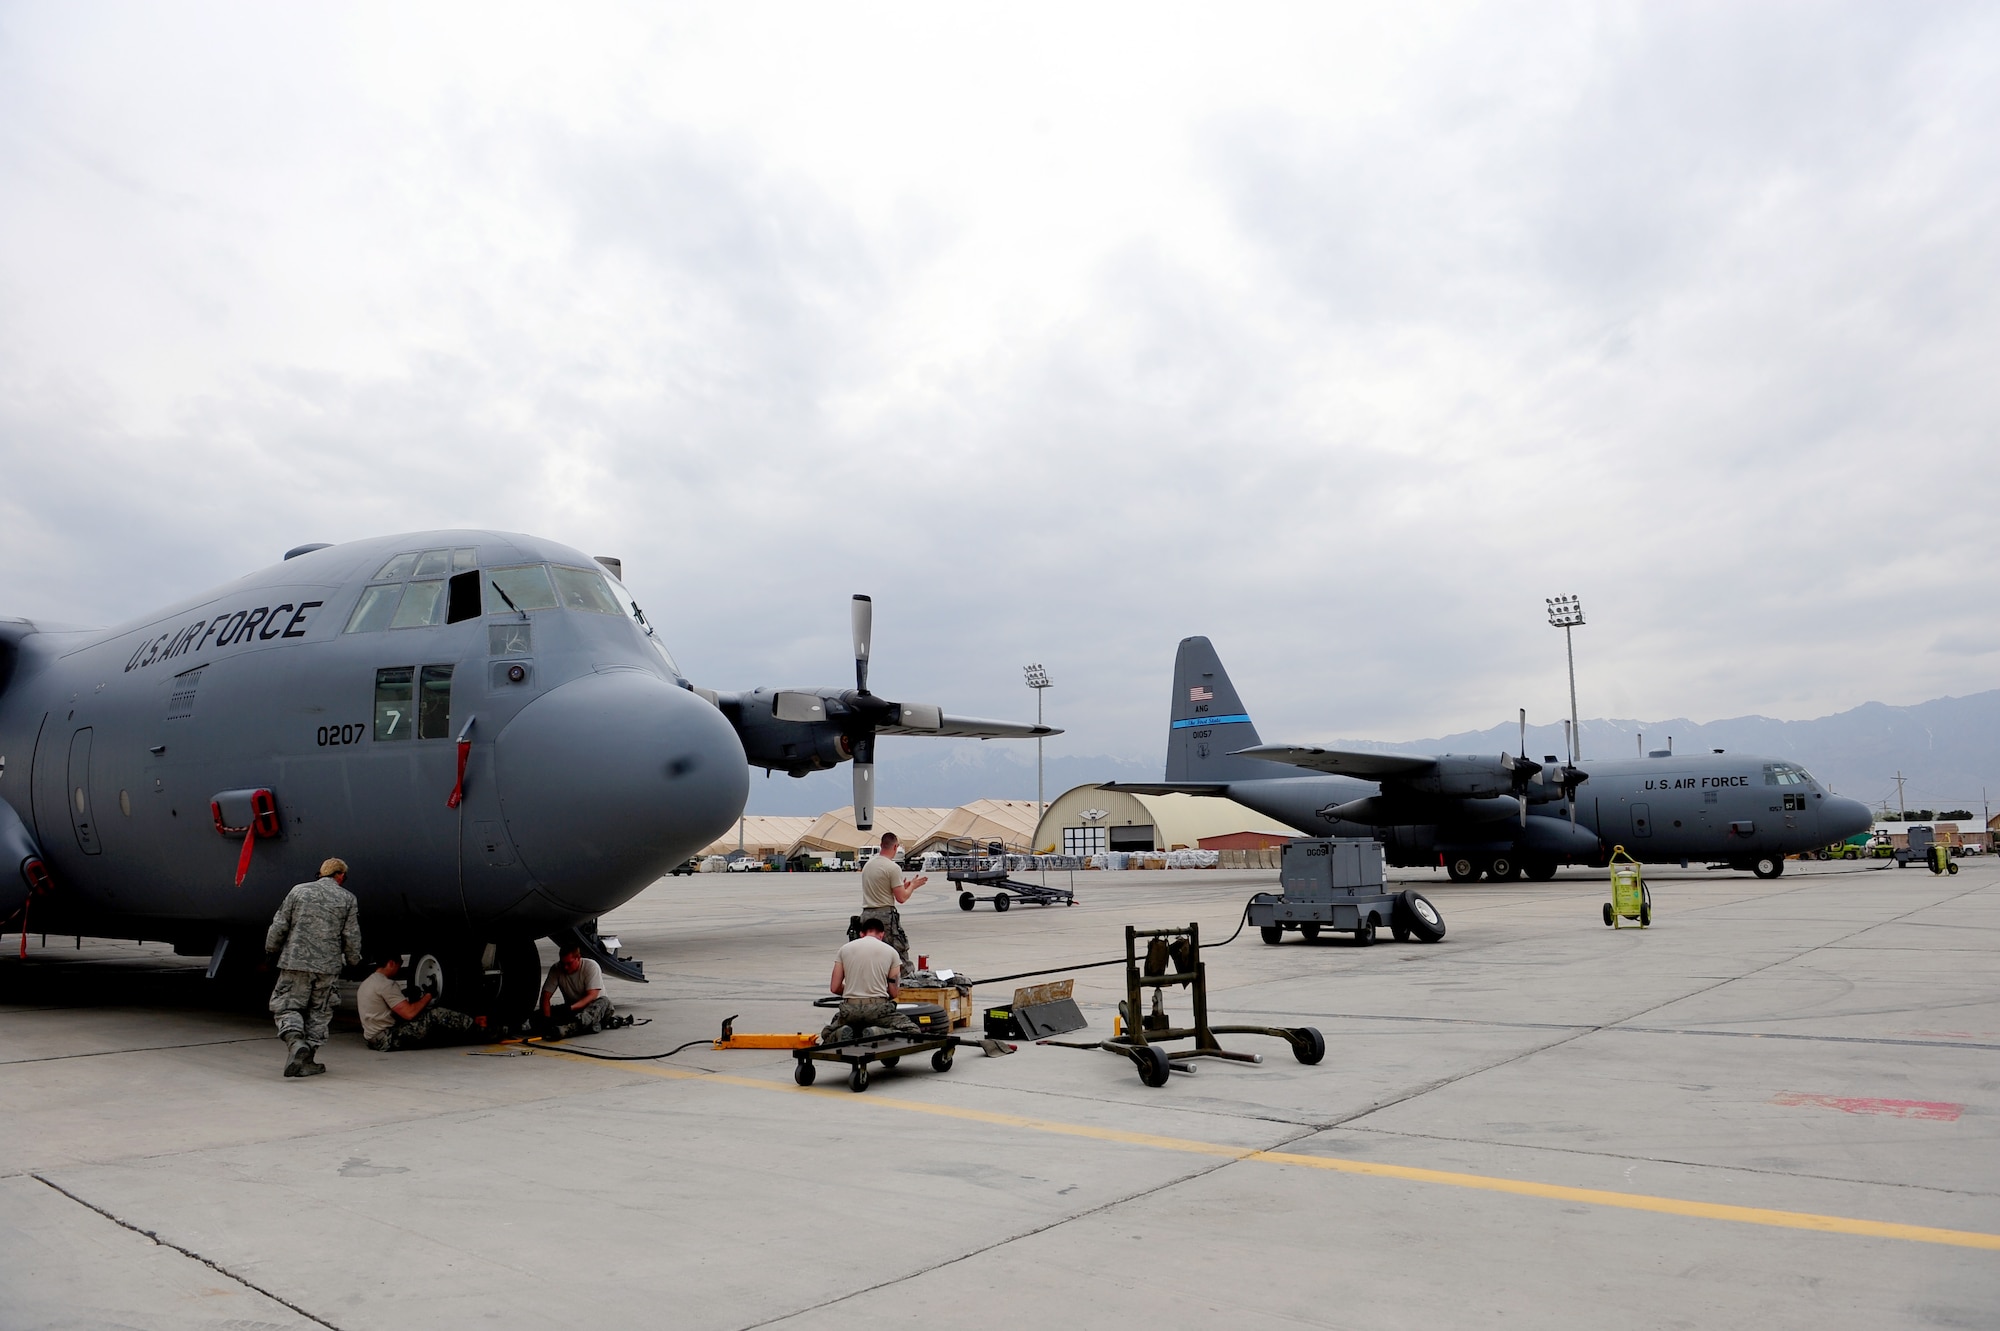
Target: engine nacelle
point(793, 747)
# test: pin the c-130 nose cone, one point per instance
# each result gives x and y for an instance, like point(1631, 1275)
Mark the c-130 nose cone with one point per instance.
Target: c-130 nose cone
point(1840, 818)
point(610, 780)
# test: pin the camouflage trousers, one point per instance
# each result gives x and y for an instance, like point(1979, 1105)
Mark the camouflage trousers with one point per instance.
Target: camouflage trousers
point(302, 1005)
point(892, 930)
point(433, 1026)
point(580, 1021)
point(856, 1013)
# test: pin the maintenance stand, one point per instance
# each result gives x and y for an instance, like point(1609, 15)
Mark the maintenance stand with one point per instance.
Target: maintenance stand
point(1144, 1036)
point(1336, 883)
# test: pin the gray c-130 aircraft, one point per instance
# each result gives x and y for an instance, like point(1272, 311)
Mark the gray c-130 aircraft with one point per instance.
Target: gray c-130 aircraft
point(484, 725)
point(1496, 816)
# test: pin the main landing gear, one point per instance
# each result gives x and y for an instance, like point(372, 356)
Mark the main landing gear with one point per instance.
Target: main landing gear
point(492, 979)
point(1498, 868)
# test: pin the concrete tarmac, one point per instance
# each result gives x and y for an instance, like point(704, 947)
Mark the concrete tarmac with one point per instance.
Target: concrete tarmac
point(1776, 1107)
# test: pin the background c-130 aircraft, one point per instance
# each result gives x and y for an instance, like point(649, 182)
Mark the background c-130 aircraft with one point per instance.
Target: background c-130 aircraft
point(484, 725)
point(1497, 816)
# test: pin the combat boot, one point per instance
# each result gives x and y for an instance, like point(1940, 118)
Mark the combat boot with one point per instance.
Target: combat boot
point(313, 1067)
point(295, 1066)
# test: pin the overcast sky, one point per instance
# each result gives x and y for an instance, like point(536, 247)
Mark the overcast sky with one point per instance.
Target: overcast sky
point(1341, 335)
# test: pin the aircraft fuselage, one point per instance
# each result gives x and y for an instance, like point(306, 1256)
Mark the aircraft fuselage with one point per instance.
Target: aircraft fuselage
point(342, 681)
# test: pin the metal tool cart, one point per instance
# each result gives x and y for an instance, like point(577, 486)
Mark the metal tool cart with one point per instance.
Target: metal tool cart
point(1336, 883)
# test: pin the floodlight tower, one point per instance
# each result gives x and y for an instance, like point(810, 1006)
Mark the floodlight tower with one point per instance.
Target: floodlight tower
point(1566, 613)
point(1038, 680)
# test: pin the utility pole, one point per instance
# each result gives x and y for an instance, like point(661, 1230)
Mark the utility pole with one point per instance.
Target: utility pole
point(1038, 680)
point(1566, 613)
point(1902, 808)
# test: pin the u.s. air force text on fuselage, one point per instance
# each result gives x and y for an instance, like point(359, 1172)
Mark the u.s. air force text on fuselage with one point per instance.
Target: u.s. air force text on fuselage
point(228, 630)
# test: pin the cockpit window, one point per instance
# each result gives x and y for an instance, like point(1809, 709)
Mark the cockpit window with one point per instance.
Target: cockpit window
point(373, 610)
point(627, 604)
point(1786, 774)
point(525, 587)
point(582, 589)
point(427, 564)
point(423, 603)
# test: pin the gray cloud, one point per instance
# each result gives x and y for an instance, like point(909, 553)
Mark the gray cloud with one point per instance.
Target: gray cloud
point(1343, 346)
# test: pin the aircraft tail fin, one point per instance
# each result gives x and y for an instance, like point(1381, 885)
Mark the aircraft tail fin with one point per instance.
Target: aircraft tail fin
point(1208, 721)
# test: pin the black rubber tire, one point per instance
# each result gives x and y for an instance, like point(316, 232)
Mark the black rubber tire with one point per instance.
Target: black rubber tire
point(1502, 868)
point(1313, 1046)
point(1767, 866)
point(1309, 931)
point(1541, 871)
point(1153, 1066)
point(1645, 914)
point(1952, 867)
point(1364, 934)
point(1001, 901)
point(892, 1060)
point(1463, 869)
point(966, 901)
point(1271, 934)
point(941, 1060)
point(1607, 915)
point(1400, 933)
point(458, 971)
point(521, 973)
point(1418, 917)
point(857, 1080)
point(806, 1072)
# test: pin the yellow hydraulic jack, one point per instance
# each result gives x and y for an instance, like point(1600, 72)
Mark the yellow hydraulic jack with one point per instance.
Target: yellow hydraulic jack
point(1631, 899)
point(1939, 855)
point(732, 1039)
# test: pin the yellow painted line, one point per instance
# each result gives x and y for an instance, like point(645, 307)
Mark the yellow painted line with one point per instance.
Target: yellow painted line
point(1627, 1201)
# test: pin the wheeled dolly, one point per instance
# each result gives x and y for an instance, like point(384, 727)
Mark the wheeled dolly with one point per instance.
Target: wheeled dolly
point(888, 1050)
point(1006, 890)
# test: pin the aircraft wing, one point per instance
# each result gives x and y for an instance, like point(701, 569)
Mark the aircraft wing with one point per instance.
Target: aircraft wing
point(970, 727)
point(1168, 787)
point(1338, 762)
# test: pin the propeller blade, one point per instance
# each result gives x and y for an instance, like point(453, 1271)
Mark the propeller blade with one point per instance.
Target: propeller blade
point(791, 705)
point(1524, 734)
point(864, 636)
point(864, 795)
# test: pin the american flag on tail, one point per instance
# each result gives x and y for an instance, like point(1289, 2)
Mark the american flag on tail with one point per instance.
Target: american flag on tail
point(1200, 694)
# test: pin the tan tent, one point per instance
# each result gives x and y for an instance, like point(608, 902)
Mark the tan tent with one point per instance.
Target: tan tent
point(1010, 822)
point(761, 836)
point(834, 830)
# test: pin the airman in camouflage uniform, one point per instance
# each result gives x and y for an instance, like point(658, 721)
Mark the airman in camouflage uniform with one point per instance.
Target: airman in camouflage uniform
point(317, 929)
point(864, 975)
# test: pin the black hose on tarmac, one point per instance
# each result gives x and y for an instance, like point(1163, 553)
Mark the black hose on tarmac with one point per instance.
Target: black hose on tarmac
point(1115, 961)
point(623, 1058)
